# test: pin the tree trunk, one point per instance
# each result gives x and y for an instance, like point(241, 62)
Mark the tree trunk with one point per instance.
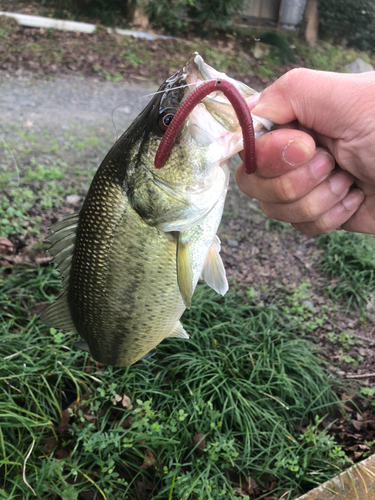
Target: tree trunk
point(135, 14)
point(312, 22)
point(140, 19)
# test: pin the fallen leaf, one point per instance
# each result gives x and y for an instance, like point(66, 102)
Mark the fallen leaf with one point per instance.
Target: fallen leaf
point(200, 442)
point(126, 402)
point(89, 416)
point(116, 399)
point(272, 486)
point(40, 307)
point(6, 246)
point(357, 425)
point(127, 423)
point(149, 460)
point(65, 417)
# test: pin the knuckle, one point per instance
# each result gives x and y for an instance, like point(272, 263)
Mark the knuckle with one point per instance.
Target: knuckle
point(304, 228)
point(284, 190)
point(294, 77)
point(310, 210)
point(324, 226)
point(266, 209)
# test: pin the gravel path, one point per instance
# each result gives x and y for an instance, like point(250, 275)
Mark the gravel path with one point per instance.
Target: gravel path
point(61, 102)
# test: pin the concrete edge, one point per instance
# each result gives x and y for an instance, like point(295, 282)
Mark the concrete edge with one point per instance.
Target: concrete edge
point(59, 24)
point(356, 483)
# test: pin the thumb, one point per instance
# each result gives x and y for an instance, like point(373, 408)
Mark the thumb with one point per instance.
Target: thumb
point(325, 102)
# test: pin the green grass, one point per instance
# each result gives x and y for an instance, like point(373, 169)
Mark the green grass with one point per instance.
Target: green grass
point(33, 182)
point(253, 389)
point(350, 259)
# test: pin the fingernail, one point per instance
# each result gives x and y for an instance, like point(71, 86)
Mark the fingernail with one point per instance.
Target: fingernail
point(353, 200)
point(339, 183)
point(321, 165)
point(296, 152)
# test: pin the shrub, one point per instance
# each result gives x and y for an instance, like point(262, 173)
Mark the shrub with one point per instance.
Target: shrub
point(201, 16)
point(352, 21)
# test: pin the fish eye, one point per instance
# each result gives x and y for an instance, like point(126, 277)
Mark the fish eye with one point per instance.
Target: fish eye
point(166, 118)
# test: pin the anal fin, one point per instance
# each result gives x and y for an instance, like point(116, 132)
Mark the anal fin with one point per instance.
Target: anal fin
point(178, 332)
point(82, 345)
point(149, 354)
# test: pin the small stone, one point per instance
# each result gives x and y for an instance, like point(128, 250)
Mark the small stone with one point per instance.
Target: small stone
point(308, 304)
point(124, 109)
point(73, 199)
point(261, 50)
point(359, 66)
point(232, 243)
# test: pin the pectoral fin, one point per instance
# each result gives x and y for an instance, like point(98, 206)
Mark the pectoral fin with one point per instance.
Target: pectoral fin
point(184, 270)
point(213, 272)
point(149, 354)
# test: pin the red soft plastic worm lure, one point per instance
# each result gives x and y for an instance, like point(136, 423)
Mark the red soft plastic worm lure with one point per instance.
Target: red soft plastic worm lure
point(240, 107)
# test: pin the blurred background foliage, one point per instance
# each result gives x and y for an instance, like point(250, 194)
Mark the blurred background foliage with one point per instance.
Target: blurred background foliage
point(347, 22)
point(350, 22)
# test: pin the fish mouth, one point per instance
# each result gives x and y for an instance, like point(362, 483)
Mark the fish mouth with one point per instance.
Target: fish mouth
point(197, 72)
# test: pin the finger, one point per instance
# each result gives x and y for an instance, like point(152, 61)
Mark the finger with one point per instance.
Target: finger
point(362, 221)
point(315, 204)
point(282, 150)
point(315, 99)
point(291, 186)
point(338, 216)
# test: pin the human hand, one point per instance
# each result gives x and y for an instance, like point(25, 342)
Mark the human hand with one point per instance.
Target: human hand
point(327, 117)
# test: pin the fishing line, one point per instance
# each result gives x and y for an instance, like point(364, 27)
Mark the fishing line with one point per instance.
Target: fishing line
point(2, 137)
point(142, 97)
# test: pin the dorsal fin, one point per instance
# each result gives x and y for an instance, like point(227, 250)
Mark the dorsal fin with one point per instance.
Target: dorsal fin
point(66, 221)
point(63, 235)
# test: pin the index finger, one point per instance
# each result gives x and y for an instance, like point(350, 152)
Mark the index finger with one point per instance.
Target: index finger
point(315, 99)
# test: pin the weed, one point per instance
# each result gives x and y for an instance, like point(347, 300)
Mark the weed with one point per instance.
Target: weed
point(314, 444)
point(350, 360)
point(264, 71)
point(332, 337)
point(243, 381)
point(299, 312)
point(347, 339)
point(44, 173)
point(132, 58)
point(328, 57)
point(350, 258)
point(117, 77)
point(282, 49)
point(370, 393)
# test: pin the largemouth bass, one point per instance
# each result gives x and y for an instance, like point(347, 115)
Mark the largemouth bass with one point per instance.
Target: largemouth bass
point(131, 258)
